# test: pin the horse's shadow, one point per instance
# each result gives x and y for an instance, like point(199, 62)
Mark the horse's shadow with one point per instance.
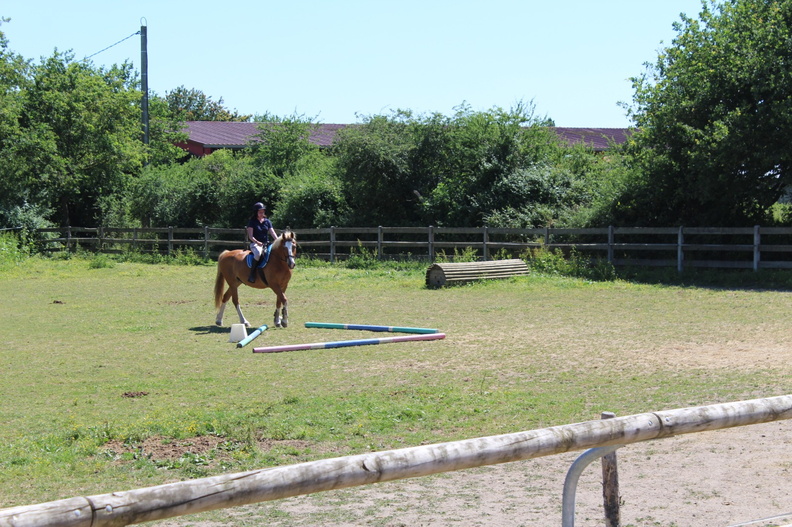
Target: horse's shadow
point(209, 330)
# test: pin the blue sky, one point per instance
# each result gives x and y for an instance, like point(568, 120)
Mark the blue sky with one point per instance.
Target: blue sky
point(335, 61)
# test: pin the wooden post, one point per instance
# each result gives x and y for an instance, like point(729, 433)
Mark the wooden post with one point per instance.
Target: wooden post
point(170, 240)
point(431, 244)
point(379, 242)
point(485, 243)
point(680, 251)
point(332, 244)
point(68, 238)
point(610, 485)
point(756, 248)
point(611, 237)
point(100, 239)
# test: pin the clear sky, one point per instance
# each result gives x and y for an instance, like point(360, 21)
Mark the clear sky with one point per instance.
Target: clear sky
point(337, 60)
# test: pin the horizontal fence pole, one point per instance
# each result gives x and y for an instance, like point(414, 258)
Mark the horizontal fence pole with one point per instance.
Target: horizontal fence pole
point(620, 246)
point(232, 490)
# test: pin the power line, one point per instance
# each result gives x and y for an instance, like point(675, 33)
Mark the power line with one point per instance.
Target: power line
point(112, 45)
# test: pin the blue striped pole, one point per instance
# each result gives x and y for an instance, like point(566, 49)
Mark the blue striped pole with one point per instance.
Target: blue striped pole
point(253, 335)
point(363, 327)
point(345, 343)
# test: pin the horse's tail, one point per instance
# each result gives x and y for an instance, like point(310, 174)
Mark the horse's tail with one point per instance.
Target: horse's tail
point(218, 287)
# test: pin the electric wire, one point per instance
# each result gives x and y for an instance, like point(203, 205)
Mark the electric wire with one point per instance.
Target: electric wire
point(112, 45)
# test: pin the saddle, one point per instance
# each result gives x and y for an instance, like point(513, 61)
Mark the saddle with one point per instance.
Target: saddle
point(262, 261)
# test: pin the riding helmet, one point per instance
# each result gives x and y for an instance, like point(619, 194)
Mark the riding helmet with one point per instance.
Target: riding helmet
point(258, 206)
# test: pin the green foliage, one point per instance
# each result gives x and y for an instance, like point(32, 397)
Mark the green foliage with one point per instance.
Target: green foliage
point(714, 120)
point(194, 105)
point(466, 254)
point(214, 190)
point(556, 263)
point(12, 250)
point(100, 261)
point(311, 199)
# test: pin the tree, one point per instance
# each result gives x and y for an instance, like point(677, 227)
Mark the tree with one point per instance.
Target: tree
point(82, 135)
point(714, 119)
point(194, 105)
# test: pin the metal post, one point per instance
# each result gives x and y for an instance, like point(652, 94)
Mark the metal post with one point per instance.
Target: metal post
point(572, 477)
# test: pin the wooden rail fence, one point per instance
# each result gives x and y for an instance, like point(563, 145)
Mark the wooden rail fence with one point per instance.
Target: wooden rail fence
point(232, 490)
point(681, 247)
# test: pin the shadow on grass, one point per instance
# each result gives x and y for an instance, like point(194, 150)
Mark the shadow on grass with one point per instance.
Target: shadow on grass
point(743, 279)
point(209, 330)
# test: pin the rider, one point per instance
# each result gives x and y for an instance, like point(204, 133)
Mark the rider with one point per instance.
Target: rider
point(261, 235)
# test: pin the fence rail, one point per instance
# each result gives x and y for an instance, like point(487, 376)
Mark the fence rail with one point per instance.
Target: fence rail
point(681, 247)
point(232, 490)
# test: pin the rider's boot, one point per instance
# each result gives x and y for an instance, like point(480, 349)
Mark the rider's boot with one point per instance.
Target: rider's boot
point(253, 269)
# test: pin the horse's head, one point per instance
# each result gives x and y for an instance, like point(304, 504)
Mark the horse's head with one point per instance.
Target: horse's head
point(289, 243)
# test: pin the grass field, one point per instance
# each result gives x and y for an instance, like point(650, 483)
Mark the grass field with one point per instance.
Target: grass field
point(105, 367)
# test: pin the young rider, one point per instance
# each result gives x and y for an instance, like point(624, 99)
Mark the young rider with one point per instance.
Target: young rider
point(261, 235)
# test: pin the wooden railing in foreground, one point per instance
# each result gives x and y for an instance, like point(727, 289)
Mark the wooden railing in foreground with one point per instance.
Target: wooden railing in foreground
point(231, 490)
point(681, 247)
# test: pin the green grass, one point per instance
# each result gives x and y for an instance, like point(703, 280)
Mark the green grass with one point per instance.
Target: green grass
point(520, 354)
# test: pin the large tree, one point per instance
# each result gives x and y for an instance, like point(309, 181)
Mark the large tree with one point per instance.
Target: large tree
point(714, 119)
point(82, 135)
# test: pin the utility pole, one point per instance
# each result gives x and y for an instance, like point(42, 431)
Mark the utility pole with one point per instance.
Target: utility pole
point(144, 79)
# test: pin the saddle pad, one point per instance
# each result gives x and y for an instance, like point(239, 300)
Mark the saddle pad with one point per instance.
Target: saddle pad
point(262, 262)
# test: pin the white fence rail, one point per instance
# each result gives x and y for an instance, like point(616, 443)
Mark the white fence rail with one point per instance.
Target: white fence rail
point(231, 490)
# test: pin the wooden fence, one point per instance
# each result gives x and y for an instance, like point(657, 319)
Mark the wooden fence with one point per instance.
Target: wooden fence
point(231, 490)
point(681, 247)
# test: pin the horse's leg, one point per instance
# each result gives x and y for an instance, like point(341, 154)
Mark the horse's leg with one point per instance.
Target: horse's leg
point(219, 318)
point(285, 319)
point(281, 302)
point(235, 299)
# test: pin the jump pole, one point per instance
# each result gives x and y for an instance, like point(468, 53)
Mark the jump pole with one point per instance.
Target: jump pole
point(363, 327)
point(253, 335)
point(345, 343)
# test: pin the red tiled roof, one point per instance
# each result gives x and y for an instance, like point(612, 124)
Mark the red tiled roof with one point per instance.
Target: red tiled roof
point(597, 138)
point(232, 134)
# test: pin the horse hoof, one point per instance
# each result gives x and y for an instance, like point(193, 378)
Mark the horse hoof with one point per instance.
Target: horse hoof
point(284, 324)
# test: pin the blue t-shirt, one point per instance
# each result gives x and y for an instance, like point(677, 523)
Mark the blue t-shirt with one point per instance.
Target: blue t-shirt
point(261, 230)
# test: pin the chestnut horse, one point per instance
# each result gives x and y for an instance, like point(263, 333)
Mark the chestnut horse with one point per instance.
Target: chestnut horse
point(233, 270)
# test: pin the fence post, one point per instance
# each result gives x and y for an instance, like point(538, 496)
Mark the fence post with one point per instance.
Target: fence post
point(611, 236)
point(100, 240)
point(547, 237)
point(206, 242)
point(680, 252)
point(485, 252)
point(134, 238)
point(68, 238)
point(332, 244)
point(610, 485)
point(170, 240)
point(379, 242)
point(756, 250)
point(431, 244)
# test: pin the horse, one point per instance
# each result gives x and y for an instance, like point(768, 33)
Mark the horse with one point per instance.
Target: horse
point(233, 270)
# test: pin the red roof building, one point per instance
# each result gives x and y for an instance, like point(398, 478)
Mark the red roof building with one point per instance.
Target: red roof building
point(204, 137)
